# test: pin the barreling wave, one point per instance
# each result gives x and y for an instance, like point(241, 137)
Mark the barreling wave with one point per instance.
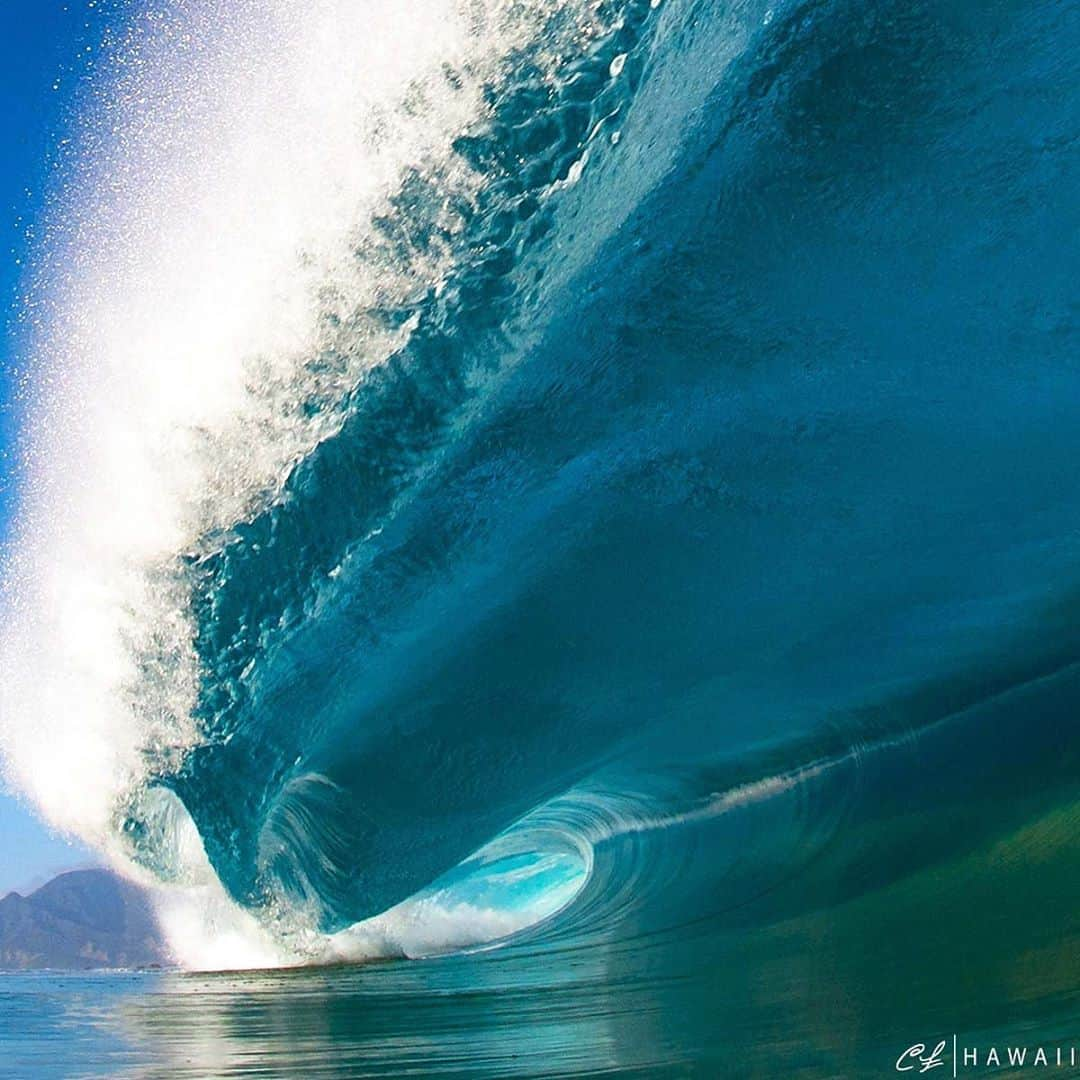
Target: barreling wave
point(542, 475)
point(222, 312)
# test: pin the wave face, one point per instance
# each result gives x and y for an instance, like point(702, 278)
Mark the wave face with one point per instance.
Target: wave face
point(568, 477)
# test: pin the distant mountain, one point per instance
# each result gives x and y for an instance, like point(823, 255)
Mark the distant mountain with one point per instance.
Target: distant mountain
point(82, 919)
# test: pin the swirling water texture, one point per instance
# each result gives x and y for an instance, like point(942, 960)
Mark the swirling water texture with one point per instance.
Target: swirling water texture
point(711, 533)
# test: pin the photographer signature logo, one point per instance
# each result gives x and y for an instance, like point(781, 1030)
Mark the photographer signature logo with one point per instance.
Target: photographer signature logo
point(916, 1058)
point(957, 1058)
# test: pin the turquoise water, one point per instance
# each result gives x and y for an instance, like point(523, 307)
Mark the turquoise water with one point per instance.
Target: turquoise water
point(576, 519)
point(818, 930)
point(979, 946)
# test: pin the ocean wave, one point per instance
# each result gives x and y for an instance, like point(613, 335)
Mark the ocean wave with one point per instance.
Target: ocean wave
point(547, 477)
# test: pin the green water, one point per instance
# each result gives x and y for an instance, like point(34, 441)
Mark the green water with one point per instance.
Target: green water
point(984, 945)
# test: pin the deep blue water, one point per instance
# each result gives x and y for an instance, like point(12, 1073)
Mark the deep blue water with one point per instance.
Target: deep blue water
point(698, 574)
point(756, 443)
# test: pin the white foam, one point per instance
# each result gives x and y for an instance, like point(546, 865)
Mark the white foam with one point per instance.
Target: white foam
point(435, 924)
point(226, 170)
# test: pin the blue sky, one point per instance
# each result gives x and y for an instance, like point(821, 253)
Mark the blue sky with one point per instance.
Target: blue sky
point(42, 42)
